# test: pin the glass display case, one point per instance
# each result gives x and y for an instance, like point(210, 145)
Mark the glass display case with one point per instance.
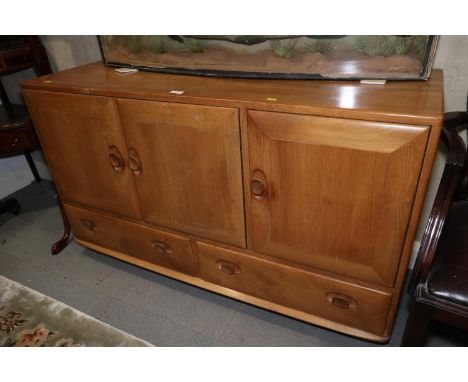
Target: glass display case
point(293, 57)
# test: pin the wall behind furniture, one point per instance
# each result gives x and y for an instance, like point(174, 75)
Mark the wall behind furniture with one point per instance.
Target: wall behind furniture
point(69, 51)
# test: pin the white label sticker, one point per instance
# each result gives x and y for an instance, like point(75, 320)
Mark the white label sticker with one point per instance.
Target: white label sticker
point(374, 82)
point(126, 70)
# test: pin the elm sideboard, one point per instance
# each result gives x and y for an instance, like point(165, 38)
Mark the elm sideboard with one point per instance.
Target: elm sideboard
point(301, 197)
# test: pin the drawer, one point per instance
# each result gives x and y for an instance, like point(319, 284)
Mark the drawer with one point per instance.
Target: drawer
point(151, 245)
point(348, 304)
point(15, 140)
point(15, 61)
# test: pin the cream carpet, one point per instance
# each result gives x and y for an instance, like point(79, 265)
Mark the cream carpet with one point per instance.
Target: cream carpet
point(30, 318)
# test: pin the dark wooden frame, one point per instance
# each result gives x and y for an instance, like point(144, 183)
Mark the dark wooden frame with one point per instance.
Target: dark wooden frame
point(453, 187)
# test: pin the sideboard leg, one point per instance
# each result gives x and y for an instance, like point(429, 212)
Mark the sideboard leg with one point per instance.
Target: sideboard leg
point(63, 242)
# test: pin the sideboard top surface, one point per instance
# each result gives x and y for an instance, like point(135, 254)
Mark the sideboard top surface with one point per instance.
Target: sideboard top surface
point(418, 102)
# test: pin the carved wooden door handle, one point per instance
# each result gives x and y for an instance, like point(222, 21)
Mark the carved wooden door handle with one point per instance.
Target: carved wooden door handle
point(258, 184)
point(228, 267)
point(88, 224)
point(134, 161)
point(341, 301)
point(115, 159)
point(161, 247)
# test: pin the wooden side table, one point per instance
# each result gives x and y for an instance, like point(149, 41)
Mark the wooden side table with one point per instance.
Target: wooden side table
point(17, 135)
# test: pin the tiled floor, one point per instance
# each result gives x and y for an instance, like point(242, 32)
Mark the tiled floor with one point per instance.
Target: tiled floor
point(160, 310)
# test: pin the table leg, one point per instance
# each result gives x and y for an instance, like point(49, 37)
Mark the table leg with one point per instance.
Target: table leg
point(32, 166)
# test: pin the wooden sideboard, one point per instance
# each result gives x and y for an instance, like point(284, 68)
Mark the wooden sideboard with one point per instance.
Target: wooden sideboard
point(301, 197)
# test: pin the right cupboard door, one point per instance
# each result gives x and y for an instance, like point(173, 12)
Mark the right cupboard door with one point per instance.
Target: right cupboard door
point(331, 193)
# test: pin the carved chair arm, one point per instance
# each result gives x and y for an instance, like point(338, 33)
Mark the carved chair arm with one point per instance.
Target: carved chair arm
point(456, 122)
point(448, 187)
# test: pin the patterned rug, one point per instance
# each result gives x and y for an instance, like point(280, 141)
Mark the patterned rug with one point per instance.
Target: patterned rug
point(29, 318)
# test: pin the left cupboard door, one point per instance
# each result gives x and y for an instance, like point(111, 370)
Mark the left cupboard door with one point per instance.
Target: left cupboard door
point(85, 150)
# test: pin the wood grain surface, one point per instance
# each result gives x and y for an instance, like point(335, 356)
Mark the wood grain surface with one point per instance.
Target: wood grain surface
point(347, 304)
point(339, 193)
point(191, 176)
point(196, 281)
point(78, 135)
point(418, 102)
point(151, 245)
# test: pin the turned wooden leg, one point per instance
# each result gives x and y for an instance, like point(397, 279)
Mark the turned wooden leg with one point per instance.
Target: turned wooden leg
point(63, 242)
point(32, 166)
point(417, 325)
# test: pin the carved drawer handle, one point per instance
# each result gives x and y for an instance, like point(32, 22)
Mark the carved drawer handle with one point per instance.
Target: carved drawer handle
point(341, 301)
point(89, 224)
point(16, 142)
point(229, 268)
point(115, 159)
point(161, 247)
point(134, 161)
point(258, 184)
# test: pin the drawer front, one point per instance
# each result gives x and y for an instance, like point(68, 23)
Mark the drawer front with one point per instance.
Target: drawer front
point(160, 248)
point(16, 140)
point(12, 62)
point(335, 300)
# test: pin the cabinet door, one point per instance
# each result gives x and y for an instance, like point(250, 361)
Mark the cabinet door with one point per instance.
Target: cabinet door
point(187, 167)
point(331, 193)
point(84, 147)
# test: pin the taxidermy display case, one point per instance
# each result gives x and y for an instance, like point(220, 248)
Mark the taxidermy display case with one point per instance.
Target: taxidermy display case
point(293, 57)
